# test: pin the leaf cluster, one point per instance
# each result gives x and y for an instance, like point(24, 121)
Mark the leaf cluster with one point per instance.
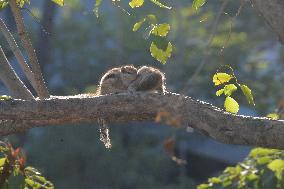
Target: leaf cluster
point(15, 174)
point(230, 85)
point(262, 169)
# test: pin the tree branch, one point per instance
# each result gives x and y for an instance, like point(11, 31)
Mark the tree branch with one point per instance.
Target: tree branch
point(11, 80)
point(19, 56)
point(205, 118)
point(273, 12)
point(40, 85)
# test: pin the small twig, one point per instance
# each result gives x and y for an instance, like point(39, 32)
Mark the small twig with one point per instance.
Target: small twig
point(232, 20)
point(40, 85)
point(14, 47)
point(207, 50)
point(11, 80)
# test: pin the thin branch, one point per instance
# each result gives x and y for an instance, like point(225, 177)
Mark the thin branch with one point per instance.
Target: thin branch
point(11, 80)
point(19, 56)
point(40, 85)
point(205, 118)
point(272, 12)
point(207, 50)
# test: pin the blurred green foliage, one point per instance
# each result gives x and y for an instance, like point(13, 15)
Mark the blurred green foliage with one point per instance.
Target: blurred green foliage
point(262, 169)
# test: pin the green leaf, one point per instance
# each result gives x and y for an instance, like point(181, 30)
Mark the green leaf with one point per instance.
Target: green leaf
point(247, 92)
point(21, 3)
point(220, 78)
point(33, 184)
point(59, 2)
point(96, 8)
point(203, 186)
point(276, 165)
point(219, 92)
point(160, 4)
point(274, 116)
point(41, 179)
point(215, 180)
point(161, 30)
point(2, 161)
point(229, 89)
point(160, 54)
point(5, 97)
point(263, 160)
point(198, 3)
point(151, 18)
point(136, 3)
point(259, 152)
point(231, 105)
point(252, 177)
point(138, 25)
point(3, 4)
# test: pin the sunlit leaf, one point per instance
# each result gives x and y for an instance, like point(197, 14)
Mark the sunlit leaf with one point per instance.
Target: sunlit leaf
point(247, 92)
point(160, 54)
point(59, 2)
point(258, 152)
point(138, 25)
point(203, 186)
point(220, 78)
point(219, 92)
point(262, 169)
point(96, 7)
point(32, 183)
point(231, 105)
point(2, 161)
point(276, 165)
point(198, 3)
point(160, 4)
point(263, 160)
point(3, 3)
point(21, 3)
point(274, 116)
point(252, 177)
point(215, 180)
point(5, 97)
point(136, 3)
point(161, 30)
point(150, 18)
point(229, 89)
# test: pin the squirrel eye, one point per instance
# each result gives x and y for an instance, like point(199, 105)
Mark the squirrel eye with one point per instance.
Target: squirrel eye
point(110, 76)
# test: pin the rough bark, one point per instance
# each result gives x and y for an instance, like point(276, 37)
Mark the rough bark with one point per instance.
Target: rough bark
point(205, 118)
point(273, 12)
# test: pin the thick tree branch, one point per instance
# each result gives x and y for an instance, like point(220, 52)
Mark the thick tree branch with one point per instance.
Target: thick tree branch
point(273, 12)
point(202, 116)
point(11, 80)
point(19, 56)
point(40, 88)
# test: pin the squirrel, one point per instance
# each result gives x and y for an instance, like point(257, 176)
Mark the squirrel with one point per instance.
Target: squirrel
point(128, 79)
